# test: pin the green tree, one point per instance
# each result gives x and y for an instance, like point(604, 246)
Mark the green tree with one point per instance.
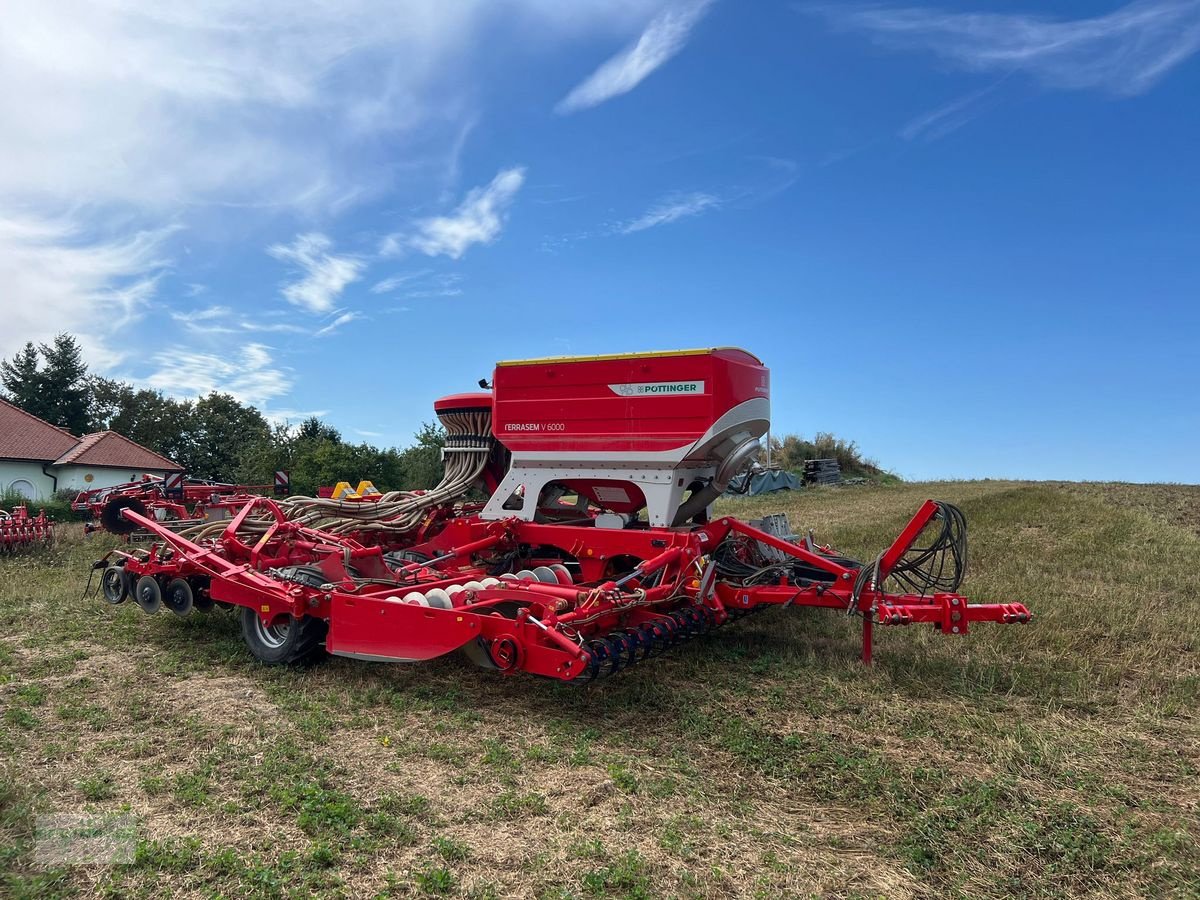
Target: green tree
point(64, 383)
point(22, 380)
point(258, 460)
point(221, 427)
point(421, 463)
point(313, 429)
point(163, 424)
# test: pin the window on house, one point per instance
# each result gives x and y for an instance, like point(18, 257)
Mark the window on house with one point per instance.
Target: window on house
point(24, 488)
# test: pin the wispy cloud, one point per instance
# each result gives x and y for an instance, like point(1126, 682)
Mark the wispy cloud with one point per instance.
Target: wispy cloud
point(132, 118)
point(425, 283)
point(210, 321)
point(250, 374)
point(343, 319)
point(1124, 52)
point(671, 209)
point(206, 314)
point(663, 38)
point(394, 282)
point(53, 274)
point(269, 327)
point(443, 284)
point(947, 118)
point(479, 219)
point(324, 275)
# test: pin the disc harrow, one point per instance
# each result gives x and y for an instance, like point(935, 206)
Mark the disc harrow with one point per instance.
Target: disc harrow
point(19, 531)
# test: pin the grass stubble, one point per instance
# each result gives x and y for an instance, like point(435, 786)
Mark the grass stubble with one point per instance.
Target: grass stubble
point(1059, 759)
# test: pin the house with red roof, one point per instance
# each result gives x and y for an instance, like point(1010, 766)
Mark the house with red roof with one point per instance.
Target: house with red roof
point(37, 458)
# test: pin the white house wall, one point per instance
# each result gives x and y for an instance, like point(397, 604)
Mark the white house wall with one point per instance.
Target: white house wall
point(19, 473)
point(75, 478)
point(15, 474)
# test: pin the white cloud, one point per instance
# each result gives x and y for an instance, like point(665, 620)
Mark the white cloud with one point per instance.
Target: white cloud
point(207, 321)
point(671, 209)
point(325, 275)
point(479, 219)
point(1124, 52)
point(425, 283)
point(210, 321)
point(54, 278)
point(202, 315)
point(250, 374)
point(947, 118)
point(344, 319)
point(390, 284)
point(663, 38)
point(131, 118)
point(434, 292)
point(276, 327)
point(292, 417)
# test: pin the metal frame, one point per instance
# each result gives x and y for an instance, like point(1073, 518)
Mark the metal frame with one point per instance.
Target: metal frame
point(556, 630)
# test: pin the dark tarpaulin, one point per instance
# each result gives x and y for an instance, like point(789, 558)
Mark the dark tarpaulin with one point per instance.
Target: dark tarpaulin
point(763, 483)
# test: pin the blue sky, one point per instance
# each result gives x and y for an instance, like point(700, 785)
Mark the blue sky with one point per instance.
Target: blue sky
point(965, 235)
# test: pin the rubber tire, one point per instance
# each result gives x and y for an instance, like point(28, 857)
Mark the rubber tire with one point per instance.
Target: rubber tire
point(302, 643)
point(118, 591)
point(178, 597)
point(147, 594)
point(400, 558)
point(309, 576)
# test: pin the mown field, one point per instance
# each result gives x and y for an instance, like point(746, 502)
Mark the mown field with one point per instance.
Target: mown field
point(1057, 759)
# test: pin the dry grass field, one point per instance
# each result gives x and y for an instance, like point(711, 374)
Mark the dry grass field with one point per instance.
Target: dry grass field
point(1057, 759)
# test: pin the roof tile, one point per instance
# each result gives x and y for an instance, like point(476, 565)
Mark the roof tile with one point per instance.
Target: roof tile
point(25, 436)
point(107, 448)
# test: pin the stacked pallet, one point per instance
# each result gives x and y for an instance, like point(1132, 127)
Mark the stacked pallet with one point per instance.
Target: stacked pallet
point(822, 471)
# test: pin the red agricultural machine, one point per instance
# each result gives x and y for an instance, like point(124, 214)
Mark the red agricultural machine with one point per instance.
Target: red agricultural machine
point(596, 549)
point(21, 531)
point(175, 499)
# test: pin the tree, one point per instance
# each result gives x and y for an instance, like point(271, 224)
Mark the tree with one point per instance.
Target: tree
point(162, 423)
point(422, 463)
point(259, 460)
point(64, 383)
point(23, 381)
point(220, 428)
point(313, 429)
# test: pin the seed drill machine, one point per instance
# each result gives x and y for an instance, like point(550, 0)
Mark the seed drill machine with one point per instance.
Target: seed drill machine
point(595, 549)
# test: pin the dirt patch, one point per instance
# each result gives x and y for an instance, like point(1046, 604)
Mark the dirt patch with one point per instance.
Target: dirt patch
point(223, 700)
point(737, 838)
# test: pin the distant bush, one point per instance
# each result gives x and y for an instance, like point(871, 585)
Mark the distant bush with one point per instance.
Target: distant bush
point(57, 507)
point(790, 451)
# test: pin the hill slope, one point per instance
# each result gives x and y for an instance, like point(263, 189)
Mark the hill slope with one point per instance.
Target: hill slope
point(763, 760)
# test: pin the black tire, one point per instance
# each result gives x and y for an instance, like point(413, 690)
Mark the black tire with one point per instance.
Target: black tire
point(148, 594)
point(113, 586)
point(309, 576)
point(287, 641)
point(202, 601)
point(178, 597)
point(115, 523)
point(397, 559)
